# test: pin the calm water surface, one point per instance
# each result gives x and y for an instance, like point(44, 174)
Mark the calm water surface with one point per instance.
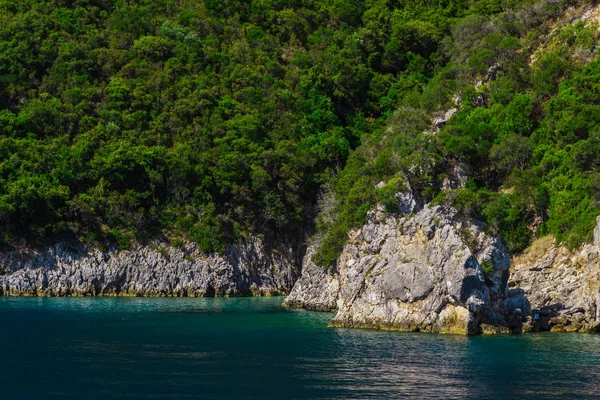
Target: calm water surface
point(255, 349)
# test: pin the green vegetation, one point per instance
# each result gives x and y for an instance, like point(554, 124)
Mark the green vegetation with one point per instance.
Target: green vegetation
point(213, 120)
point(208, 120)
point(524, 80)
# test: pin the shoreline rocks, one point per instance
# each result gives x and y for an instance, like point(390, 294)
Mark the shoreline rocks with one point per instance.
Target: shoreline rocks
point(317, 289)
point(250, 268)
point(433, 272)
point(563, 286)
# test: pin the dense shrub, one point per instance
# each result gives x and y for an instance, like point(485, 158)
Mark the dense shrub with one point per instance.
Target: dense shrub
point(215, 120)
point(527, 124)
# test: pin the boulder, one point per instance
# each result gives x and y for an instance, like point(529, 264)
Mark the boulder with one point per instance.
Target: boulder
point(441, 118)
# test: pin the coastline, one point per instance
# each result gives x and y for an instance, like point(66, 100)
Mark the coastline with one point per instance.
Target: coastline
point(248, 268)
point(551, 288)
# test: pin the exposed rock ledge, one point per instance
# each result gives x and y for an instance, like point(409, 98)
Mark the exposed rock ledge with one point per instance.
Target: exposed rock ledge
point(249, 268)
point(422, 273)
point(563, 286)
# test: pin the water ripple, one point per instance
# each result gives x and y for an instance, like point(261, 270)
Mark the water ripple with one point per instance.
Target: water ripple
point(255, 349)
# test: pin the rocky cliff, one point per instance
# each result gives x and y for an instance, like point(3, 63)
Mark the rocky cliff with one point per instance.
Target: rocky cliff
point(430, 270)
point(433, 272)
point(317, 289)
point(248, 268)
point(563, 286)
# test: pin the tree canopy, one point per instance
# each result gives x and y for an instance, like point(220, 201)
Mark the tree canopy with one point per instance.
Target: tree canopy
point(213, 120)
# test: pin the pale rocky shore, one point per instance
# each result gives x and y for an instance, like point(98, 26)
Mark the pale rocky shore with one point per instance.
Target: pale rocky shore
point(419, 273)
point(563, 286)
point(249, 268)
point(426, 269)
point(438, 272)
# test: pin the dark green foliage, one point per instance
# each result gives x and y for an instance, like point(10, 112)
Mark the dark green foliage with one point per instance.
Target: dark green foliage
point(124, 120)
point(214, 120)
point(356, 195)
point(386, 195)
point(488, 270)
point(536, 142)
point(528, 129)
point(512, 152)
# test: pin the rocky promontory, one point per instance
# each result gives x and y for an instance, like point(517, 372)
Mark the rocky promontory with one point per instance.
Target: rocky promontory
point(427, 269)
point(249, 268)
point(434, 272)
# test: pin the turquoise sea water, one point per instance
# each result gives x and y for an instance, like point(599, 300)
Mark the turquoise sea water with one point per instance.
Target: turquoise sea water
point(255, 349)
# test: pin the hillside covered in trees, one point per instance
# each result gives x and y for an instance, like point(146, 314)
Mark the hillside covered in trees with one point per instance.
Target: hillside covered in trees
point(213, 120)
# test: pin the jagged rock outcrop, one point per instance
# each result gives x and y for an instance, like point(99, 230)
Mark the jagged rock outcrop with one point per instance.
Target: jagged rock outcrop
point(248, 268)
point(441, 118)
point(563, 286)
point(420, 273)
point(317, 289)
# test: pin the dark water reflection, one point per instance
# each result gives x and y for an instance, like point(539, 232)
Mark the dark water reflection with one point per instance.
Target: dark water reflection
point(254, 349)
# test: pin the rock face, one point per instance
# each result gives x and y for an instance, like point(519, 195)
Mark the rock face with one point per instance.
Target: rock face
point(562, 286)
point(249, 268)
point(459, 172)
point(441, 118)
point(317, 289)
point(424, 273)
